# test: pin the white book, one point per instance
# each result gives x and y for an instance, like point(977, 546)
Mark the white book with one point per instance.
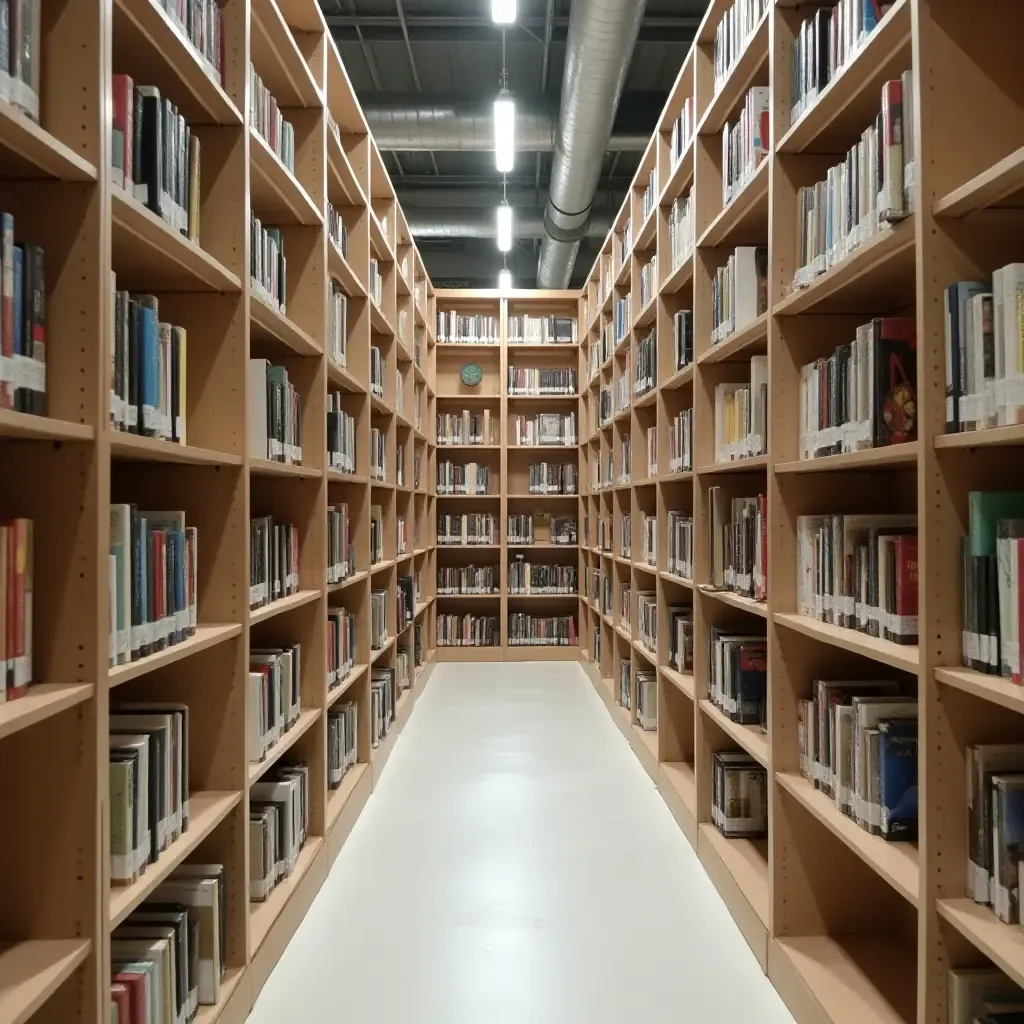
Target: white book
point(259, 429)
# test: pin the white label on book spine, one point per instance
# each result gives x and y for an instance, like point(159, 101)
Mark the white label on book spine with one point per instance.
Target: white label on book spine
point(123, 865)
point(123, 641)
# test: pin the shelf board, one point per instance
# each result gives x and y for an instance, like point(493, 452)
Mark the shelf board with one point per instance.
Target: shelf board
point(470, 497)
point(678, 379)
point(542, 597)
point(470, 597)
point(336, 476)
point(747, 341)
point(895, 455)
point(645, 746)
point(41, 701)
point(878, 274)
point(349, 581)
point(541, 497)
point(646, 652)
point(29, 150)
point(475, 547)
point(749, 737)
point(678, 786)
point(756, 462)
point(278, 59)
point(993, 437)
point(341, 172)
point(897, 863)
point(850, 100)
point(738, 80)
point(267, 324)
point(228, 984)
point(341, 270)
point(746, 860)
point(376, 655)
point(679, 278)
point(206, 810)
point(269, 467)
point(378, 240)
point(682, 681)
point(31, 971)
point(540, 652)
point(282, 605)
point(128, 447)
point(336, 692)
point(338, 798)
point(1002, 943)
point(679, 581)
point(205, 636)
point(276, 192)
point(262, 916)
point(679, 178)
point(571, 347)
point(885, 651)
point(257, 769)
point(745, 219)
point(542, 398)
point(995, 689)
point(146, 249)
point(986, 190)
point(23, 425)
point(344, 378)
point(376, 567)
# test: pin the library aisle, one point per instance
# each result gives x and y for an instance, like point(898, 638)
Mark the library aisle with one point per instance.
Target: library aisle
point(516, 864)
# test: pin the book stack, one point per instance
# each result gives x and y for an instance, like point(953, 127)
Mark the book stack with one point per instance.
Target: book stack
point(682, 335)
point(275, 414)
point(681, 134)
point(541, 330)
point(148, 363)
point(342, 741)
point(526, 630)
point(645, 375)
point(268, 268)
point(341, 645)
point(266, 118)
point(649, 537)
point(745, 144)
point(647, 699)
point(625, 534)
point(466, 427)
point(454, 328)
point(467, 579)
point(278, 826)
point(539, 381)
point(858, 197)
point(468, 631)
point(738, 544)
point(625, 460)
point(647, 619)
point(680, 442)
point(273, 560)
point(545, 428)
point(739, 798)
point(154, 156)
point(149, 785)
point(464, 478)
point(467, 529)
point(532, 578)
point(553, 478)
point(378, 454)
point(340, 558)
point(733, 33)
point(859, 572)
point(274, 682)
point(376, 371)
point(648, 281)
point(337, 324)
point(376, 283)
point(738, 676)
point(741, 415)
point(680, 638)
point(341, 435)
point(680, 230)
point(379, 634)
point(376, 534)
point(175, 943)
point(625, 687)
point(622, 317)
point(337, 233)
point(739, 292)
point(649, 197)
point(153, 588)
point(680, 545)
point(864, 395)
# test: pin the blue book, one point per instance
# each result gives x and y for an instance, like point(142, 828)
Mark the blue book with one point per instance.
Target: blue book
point(149, 371)
point(897, 764)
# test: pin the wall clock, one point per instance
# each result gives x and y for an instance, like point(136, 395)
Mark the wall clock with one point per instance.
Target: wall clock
point(471, 375)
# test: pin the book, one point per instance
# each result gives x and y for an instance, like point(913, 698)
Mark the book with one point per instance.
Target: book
point(268, 268)
point(741, 415)
point(738, 544)
point(525, 629)
point(342, 741)
point(274, 705)
point(739, 799)
point(739, 291)
point(266, 118)
point(970, 988)
point(745, 143)
point(738, 675)
point(273, 560)
point(467, 630)
point(524, 329)
point(455, 328)
point(275, 414)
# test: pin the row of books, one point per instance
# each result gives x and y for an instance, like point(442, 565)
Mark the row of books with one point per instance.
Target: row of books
point(467, 427)
point(275, 677)
point(645, 372)
point(624, 696)
point(649, 539)
point(266, 117)
point(680, 638)
point(605, 408)
point(17, 552)
point(268, 269)
point(545, 428)
point(337, 232)
point(378, 454)
point(524, 329)
point(541, 528)
point(649, 196)
point(148, 370)
point(738, 674)
point(738, 544)
point(275, 414)
point(379, 632)
point(739, 292)
point(647, 619)
point(278, 827)
point(341, 435)
point(623, 322)
point(625, 459)
point(741, 415)
point(542, 381)
point(625, 241)
point(553, 478)
point(682, 337)
point(462, 328)
point(468, 579)
point(153, 564)
point(982, 995)
point(340, 557)
point(646, 699)
point(681, 134)
point(745, 144)
point(154, 156)
point(622, 399)
point(733, 33)
point(462, 478)
point(625, 534)
point(526, 577)
point(679, 532)
point(273, 560)
point(467, 528)
point(864, 395)
point(342, 741)
point(526, 630)
point(680, 442)
point(376, 283)
point(337, 324)
point(376, 534)
point(22, 321)
point(739, 795)
point(681, 232)
point(341, 645)
point(468, 631)
point(377, 367)
point(859, 196)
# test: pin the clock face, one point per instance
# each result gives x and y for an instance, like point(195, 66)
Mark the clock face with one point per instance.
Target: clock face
point(471, 375)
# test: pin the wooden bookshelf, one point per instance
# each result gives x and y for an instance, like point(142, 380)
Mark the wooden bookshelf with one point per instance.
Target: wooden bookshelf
point(65, 469)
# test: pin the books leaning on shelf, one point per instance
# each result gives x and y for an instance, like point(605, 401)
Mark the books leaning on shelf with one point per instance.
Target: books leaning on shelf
point(175, 943)
point(278, 826)
point(153, 588)
point(341, 645)
point(154, 156)
point(680, 638)
point(680, 545)
point(858, 197)
point(275, 414)
point(526, 630)
point(541, 381)
point(467, 478)
point(467, 579)
point(647, 699)
point(733, 33)
point(524, 329)
point(454, 328)
point(554, 478)
point(680, 442)
point(148, 393)
point(738, 544)
point(864, 395)
point(626, 241)
point(16, 590)
point(266, 118)
point(340, 558)
point(739, 798)
point(858, 745)
point(979, 994)
point(341, 435)
point(545, 428)
point(273, 560)
point(646, 372)
point(681, 230)
point(401, 536)
point(342, 741)
point(741, 415)
point(625, 605)
point(468, 631)
point(745, 144)
point(859, 572)
point(378, 454)
point(682, 337)
point(149, 785)
point(739, 291)
point(738, 675)
point(526, 577)
point(466, 427)
point(274, 704)
point(467, 529)
point(268, 268)
point(379, 633)
point(647, 619)
point(337, 324)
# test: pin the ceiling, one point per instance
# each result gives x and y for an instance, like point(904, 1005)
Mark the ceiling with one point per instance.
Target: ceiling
point(413, 53)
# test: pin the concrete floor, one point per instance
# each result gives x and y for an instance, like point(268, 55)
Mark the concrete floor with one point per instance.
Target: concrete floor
point(516, 866)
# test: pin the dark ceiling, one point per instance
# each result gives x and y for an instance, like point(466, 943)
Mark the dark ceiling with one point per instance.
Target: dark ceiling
point(411, 52)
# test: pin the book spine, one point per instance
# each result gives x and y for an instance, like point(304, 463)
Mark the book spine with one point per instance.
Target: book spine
point(7, 383)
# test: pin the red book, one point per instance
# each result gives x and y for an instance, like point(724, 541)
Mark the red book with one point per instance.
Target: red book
point(124, 102)
point(119, 996)
point(138, 996)
point(906, 588)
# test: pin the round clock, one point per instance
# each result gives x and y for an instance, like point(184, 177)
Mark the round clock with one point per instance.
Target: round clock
point(471, 375)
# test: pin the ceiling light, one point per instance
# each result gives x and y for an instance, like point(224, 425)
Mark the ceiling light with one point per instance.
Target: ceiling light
point(503, 12)
point(504, 132)
point(505, 281)
point(504, 220)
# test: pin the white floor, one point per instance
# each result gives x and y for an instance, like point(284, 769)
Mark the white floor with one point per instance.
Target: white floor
point(516, 866)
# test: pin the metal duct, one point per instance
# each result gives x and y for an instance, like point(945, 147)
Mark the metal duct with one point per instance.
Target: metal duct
point(599, 47)
point(458, 222)
point(469, 127)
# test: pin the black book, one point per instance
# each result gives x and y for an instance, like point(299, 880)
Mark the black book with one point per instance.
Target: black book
point(177, 413)
point(152, 158)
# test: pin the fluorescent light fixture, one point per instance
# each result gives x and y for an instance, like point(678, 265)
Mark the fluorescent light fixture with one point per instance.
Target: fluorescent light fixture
point(503, 12)
point(504, 218)
point(505, 281)
point(504, 132)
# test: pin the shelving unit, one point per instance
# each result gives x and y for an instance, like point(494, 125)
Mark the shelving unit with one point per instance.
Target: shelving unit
point(64, 470)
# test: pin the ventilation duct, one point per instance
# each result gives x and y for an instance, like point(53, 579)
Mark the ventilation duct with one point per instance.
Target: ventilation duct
point(441, 223)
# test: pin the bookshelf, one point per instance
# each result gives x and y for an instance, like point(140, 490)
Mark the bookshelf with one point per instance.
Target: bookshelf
point(65, 469)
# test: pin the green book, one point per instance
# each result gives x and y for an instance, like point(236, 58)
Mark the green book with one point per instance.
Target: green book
point(985, 509)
